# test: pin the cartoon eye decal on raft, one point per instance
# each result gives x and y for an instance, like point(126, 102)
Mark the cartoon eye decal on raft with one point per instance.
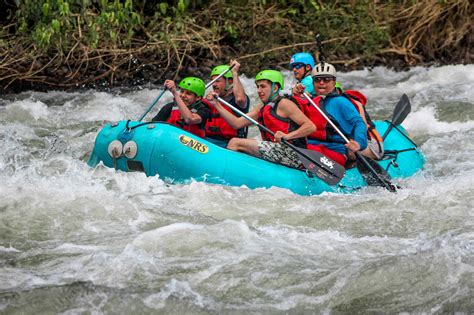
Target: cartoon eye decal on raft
point(193, 144)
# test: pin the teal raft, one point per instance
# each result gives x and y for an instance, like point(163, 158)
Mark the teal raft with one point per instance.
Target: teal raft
point(179, 157)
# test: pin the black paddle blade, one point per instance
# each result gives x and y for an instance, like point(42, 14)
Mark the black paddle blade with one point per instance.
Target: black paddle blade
point(373, 173)
point(321, 166)
point(401, 111)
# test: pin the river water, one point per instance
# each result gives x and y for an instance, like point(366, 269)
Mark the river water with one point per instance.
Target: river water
point(79, 240)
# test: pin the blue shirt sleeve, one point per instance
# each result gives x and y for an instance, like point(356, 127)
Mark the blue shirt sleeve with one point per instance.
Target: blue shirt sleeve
point(358, 132)
point(348, 118)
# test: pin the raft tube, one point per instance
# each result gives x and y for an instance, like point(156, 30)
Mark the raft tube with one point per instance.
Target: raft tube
point(178, 156)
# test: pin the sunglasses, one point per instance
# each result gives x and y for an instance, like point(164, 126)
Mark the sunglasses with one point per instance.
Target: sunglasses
point(323, 79)
point(297, 65)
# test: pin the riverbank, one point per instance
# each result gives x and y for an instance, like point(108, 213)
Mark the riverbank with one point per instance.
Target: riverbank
point(66, 45)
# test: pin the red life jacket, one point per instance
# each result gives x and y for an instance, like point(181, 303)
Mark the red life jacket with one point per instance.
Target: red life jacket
point(324, 130)
point(217, 127)
point(176, 119)
point(359, 101)
point(268, 117)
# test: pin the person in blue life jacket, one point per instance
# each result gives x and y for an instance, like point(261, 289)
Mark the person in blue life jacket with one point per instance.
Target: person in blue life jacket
point(230, 89)
point(188, 111)
point(340, 110)
point(279, 114)
point(301, 64)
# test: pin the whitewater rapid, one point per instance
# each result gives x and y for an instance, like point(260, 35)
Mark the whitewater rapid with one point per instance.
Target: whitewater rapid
point(77, 239)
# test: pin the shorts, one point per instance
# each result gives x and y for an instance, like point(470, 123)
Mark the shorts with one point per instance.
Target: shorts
point(279, 153)
point(376, 148)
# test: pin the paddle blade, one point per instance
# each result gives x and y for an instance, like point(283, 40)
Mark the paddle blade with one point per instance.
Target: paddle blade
point(321, 166)
point(373, 173)
point(401, 111)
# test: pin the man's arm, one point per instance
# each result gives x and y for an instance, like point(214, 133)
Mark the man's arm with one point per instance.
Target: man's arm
point(188, 116)
point(203, 110)
point(291, 110)
point(352, 116)
point(239, 93)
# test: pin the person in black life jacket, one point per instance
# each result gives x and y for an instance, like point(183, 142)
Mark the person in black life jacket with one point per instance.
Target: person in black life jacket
point(281, 115)
point(188, 111)
point(340, 110)
point(375, 148)
point(229, 88)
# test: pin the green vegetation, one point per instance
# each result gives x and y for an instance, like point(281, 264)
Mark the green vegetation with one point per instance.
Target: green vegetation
point(75, 43)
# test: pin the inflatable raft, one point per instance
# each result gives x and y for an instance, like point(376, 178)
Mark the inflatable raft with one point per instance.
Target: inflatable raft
point(179, 157)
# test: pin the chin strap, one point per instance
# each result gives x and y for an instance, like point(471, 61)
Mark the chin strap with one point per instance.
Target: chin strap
point(272, 97)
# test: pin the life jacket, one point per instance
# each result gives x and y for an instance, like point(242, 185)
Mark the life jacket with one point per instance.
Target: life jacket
point(324, 130)
point(176, 119)
point(359, 101)
point(217, 127)
point(268, 117)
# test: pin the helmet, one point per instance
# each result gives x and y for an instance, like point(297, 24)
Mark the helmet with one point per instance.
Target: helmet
point(324, 70)
point(219, 69)
point(272, 76)
point(194, 85)
point(339, 86)
point(304, 58)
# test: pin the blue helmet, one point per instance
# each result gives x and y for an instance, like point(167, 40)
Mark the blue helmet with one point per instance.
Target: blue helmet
point(304, 58)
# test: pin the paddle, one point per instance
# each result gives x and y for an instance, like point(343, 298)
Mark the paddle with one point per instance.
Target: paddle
point(152, 105)
point(320, 48)
point(163, 92)
point(371, 171)
point(318, 164)
point(401, 111)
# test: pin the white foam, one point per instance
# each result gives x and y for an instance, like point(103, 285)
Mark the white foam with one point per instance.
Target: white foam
point(424, 121)
point(9, 249)
point(25, 110)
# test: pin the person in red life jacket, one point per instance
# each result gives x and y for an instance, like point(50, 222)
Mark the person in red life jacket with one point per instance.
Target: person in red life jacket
point(231, 90)
point(340, 110)
point(375, 149)
point(279, 114)
point(188, 111)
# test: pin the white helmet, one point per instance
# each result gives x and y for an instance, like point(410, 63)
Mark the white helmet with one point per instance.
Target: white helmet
point(323, 70)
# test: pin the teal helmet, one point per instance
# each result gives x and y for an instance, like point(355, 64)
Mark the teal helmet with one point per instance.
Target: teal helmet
point(272, 76)
point(219, 69)
point(194, 85)
point(302, 57)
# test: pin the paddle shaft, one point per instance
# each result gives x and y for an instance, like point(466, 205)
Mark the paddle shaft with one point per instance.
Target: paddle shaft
point(387, 131)
point(358, 155)
point(272, 133)
point(320, 48)
point(152, 105)
point(308, 97)
point(163, 92)
point(219, 76)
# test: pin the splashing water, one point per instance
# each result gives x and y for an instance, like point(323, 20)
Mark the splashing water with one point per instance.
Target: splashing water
point(76, 239)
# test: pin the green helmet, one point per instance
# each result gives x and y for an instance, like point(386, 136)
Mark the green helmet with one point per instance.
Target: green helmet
point(339, 87)
point(194, 85)
point(219, 69)
point(272, 76)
